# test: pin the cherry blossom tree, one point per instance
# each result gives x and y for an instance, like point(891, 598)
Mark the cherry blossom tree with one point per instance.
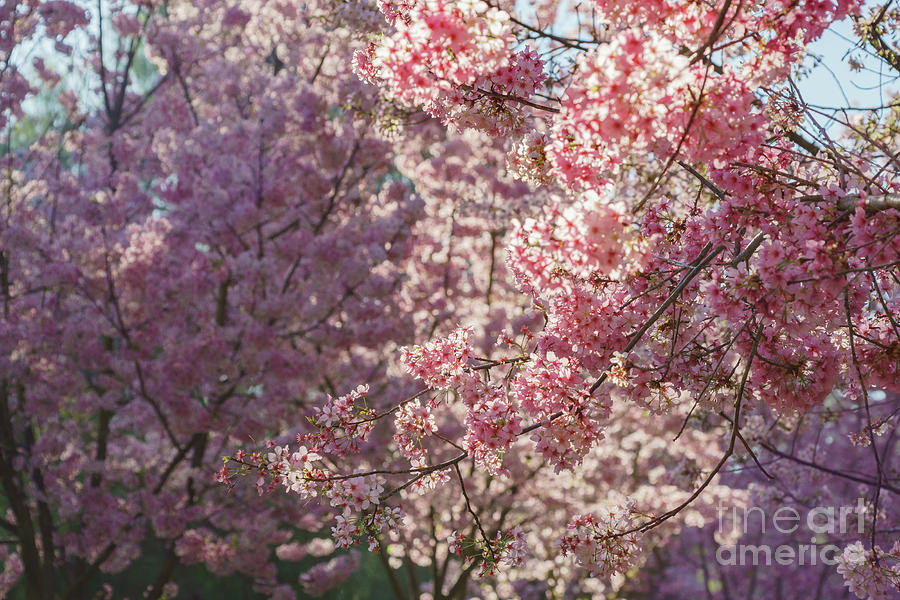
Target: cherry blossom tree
point(708, 250)
point(517, 296)
point(187, 261)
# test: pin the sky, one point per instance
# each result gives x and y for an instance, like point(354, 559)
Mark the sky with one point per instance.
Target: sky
point(832, 83)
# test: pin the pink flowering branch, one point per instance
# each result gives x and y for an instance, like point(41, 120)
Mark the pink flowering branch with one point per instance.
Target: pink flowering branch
point(729, 451)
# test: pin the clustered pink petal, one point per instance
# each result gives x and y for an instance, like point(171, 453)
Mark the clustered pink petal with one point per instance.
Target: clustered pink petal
point(866, 577)
point(601, 543)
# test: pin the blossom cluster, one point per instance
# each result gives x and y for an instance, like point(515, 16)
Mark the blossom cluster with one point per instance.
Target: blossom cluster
point(343, 423)
point(492, 421)
point(508, 548)
point(870, 574)
point(455, 60)
point(604, 543)
point(412, 423)
point(440, 363)
point(355, 500)
point(528, 159)
point(639, 94)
